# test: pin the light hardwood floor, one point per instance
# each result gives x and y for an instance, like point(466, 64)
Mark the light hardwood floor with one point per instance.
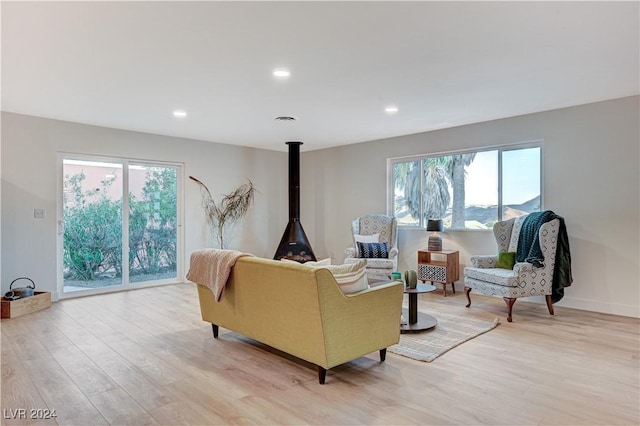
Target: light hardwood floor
point(146, 357)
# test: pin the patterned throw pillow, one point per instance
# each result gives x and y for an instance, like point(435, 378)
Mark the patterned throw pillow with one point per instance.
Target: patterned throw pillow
point(373, 238)
point(373, 250)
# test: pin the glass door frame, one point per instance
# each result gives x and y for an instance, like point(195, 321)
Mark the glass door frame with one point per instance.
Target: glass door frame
point(126, 285)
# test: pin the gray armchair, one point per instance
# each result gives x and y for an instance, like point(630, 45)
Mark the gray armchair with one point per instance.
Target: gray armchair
point(377, 229)
point(524, 279)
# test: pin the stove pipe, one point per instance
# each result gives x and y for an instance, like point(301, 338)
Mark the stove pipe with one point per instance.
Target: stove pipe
point(294, 244)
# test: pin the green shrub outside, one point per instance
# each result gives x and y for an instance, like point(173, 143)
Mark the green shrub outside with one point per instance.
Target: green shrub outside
point(93, 228)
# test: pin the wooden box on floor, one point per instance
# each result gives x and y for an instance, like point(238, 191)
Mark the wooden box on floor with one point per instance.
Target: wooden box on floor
point(14, 308)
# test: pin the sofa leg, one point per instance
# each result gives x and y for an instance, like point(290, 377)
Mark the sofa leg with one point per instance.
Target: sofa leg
point(467, 290)
point(549, 304)
point(509, 301)
point(383, 354)
point(322, 375)
point(215, 331)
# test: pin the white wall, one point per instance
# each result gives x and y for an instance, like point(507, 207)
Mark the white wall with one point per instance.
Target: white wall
point(591, 161)
point(29, 180)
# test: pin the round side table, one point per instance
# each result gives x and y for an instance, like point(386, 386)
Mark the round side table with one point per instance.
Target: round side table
point(417, 320)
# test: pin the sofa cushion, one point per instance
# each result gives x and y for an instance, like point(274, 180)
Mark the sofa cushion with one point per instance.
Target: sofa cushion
point(499, 276)
point(373, 250)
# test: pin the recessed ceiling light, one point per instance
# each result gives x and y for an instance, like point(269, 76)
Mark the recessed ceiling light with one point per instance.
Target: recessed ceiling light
point(281, 73)
point(179, 113)
point(391, 109)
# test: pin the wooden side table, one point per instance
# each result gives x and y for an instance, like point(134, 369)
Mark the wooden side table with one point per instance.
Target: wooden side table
point(439, 267)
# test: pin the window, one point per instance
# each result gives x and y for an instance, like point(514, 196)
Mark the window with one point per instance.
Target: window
point(469, 190)
point(108, 241)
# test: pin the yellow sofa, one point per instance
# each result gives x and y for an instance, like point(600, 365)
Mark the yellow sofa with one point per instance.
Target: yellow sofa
point(301, 310)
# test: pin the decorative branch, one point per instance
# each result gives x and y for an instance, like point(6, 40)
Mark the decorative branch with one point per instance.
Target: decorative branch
point(231, 208)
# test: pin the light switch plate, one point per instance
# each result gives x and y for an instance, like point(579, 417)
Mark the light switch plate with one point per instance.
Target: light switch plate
point(39, 213)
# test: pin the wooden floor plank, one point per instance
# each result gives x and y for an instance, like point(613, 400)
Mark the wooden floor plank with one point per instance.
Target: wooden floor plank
point(186, 412)
point(153, 366)
point(132, 380)
point(20, 398)
point(220, 404)
point(146, 357)
point(119, 408)
point(82, 370)
point(60, 393)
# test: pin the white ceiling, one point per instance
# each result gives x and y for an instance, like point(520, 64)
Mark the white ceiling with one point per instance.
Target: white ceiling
point(128, 65)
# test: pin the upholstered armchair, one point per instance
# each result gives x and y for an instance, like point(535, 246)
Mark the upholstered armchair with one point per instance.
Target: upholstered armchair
point(490, 276)
point(371, 235)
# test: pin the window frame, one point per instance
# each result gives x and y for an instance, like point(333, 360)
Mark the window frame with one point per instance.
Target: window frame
point(421, 157)
point(125, 162)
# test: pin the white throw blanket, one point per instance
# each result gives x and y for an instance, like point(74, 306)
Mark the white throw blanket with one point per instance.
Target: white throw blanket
point(212, 267)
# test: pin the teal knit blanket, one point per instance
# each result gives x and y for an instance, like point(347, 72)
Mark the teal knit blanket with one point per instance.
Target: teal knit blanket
point(529, 250)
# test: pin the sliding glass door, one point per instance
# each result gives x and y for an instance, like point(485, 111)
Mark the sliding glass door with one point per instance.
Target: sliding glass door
point(153, 223)
point(108, 241)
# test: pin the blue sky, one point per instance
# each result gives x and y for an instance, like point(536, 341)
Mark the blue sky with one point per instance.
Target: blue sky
point(521, 177)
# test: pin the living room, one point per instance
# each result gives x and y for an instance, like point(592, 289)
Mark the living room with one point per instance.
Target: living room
point(590, 177)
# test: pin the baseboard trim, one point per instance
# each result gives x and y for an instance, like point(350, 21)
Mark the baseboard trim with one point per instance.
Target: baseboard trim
point(599, 306)
point(621, 309)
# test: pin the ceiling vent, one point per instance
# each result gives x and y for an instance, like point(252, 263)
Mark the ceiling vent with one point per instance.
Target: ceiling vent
point(285, 118)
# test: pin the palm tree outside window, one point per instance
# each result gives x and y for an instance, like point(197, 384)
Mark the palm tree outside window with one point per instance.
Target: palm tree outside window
point(468, 190)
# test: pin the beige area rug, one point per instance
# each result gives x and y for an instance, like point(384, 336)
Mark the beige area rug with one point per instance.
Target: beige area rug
point(452, 330)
